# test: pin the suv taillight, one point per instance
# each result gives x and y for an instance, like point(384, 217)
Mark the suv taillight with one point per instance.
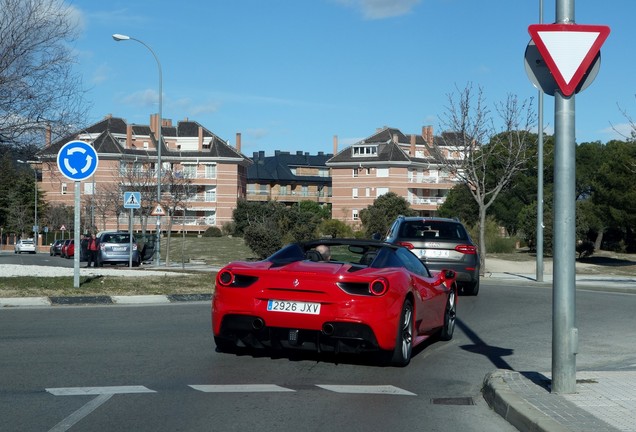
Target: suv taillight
point(466, 249)
point(406, 245)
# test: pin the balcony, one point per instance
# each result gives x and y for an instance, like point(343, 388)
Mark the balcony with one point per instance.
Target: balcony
point(427, 201)
point(322, 197)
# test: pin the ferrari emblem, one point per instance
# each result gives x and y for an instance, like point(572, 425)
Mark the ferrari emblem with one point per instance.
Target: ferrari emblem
point(296, 283)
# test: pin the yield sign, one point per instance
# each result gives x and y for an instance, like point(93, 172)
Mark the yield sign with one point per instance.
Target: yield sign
point(568, 50)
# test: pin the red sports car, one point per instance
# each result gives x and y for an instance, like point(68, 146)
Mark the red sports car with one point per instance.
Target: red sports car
point(334, 295)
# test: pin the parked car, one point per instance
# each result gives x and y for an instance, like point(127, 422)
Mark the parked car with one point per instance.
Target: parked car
point(368, 296)
point(114, 248)
point(440, 243)
point(56, 247)
point(64, 248)
point(24, 245)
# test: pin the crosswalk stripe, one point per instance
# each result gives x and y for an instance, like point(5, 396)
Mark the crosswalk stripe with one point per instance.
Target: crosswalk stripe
point(240, 388)
point(368, 389)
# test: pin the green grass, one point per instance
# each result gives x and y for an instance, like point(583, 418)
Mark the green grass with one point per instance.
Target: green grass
point(214, 251)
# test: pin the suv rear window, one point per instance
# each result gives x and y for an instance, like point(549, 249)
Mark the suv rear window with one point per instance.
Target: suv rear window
point(429, 230)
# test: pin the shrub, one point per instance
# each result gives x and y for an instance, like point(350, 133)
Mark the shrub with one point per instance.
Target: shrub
point(585, 249)
point(228, 228)
point(262, 240)
point(335, 229)
point(212, 232)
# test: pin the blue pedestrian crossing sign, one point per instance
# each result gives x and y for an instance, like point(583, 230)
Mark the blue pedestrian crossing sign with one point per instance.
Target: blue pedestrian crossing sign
point(77, 160)
point(132, 200)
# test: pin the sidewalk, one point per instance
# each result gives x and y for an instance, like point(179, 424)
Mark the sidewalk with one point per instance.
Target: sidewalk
point(603, 402)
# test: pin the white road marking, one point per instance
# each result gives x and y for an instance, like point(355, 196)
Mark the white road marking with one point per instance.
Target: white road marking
point(85, 410)
point(87, 391)
point(240, 388)
point(367, 389)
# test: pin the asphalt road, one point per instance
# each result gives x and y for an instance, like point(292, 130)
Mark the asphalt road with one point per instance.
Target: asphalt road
point(154, 368)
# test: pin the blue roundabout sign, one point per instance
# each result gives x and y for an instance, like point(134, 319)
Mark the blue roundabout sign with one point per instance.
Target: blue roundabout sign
point(77, 160)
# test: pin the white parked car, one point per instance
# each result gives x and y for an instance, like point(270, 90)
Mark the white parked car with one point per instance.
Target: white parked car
point(25, 245)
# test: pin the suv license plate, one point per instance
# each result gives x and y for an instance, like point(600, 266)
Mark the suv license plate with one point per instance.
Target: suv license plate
point(293, 307)
point(435, 253)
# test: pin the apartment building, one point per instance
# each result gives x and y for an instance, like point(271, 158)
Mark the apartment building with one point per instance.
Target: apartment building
point(289, 177)
point(388, 161)
point(202, 176)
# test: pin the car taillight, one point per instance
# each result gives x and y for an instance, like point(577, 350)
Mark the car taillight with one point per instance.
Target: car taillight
point(466, 249)
point(378, 287)
point(225, 278)
point(406, 245)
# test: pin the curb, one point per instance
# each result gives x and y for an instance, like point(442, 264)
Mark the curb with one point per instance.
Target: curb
point(514, 409)
point(12, 302)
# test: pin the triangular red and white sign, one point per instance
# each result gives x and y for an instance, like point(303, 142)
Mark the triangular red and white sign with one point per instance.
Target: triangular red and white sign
point(568, 50)
point(158, 211)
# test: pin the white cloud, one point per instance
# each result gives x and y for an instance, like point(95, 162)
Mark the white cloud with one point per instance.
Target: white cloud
point(144, 98)
point(381, 9)
point(619, 131)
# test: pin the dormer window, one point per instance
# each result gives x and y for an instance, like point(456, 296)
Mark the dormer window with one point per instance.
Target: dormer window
point(364, 150)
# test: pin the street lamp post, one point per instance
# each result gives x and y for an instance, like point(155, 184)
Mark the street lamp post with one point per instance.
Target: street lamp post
point(35, 202)
point(119, 38)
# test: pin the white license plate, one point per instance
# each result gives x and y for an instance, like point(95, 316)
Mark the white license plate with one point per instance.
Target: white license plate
point(119, 248)
point(293, 307)
point(435, 253)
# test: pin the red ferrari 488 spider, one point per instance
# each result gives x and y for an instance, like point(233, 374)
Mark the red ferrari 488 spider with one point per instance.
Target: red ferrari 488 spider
point(334, 295)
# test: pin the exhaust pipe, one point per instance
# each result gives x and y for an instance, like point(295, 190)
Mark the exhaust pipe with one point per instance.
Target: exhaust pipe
point(328, 329)
point(258, 324)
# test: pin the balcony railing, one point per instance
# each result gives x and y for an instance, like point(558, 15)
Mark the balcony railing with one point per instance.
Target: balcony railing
point(431, 180)
point(427, 200)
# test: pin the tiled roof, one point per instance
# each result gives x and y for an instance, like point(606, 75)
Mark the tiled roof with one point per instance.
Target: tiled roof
point(388, 150)
point(106, 143)
point(277, 168)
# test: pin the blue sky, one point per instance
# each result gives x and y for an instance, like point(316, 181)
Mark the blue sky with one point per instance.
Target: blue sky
point(291, 74)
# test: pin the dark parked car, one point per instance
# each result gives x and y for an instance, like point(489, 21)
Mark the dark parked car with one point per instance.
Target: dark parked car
point(56, 247)
point(440, 243)
point(114, 248)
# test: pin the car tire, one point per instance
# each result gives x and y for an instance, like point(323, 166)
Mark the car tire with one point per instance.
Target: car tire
point(471, 288)
point(450, 315)
point(404, 338)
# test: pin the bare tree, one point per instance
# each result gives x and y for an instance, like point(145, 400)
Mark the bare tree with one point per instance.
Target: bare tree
point(181, 191)
point(38, 87)
point(481, 155)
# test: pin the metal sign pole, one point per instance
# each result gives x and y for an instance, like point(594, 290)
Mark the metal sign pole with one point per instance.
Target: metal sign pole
point(76, 254)
point(130, 235)
point(564, 333)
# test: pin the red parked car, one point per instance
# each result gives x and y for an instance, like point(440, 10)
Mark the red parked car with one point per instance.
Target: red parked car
point(366, 296)
point(64, 249)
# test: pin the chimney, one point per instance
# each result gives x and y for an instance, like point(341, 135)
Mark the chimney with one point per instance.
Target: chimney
point(128, 136)
point(413, 145)
point(335, 144)
point(427, 134)
point(47, 135)
point(200, 138)
point(238, 142)
point(153, 123)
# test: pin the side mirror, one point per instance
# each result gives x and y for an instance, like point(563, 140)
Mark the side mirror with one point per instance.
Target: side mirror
point(376, 236)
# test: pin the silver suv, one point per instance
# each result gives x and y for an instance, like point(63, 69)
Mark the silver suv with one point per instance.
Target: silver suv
point(114, 248)
point(440, 244)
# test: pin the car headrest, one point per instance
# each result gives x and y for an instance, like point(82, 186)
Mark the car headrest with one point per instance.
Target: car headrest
point(313, 255)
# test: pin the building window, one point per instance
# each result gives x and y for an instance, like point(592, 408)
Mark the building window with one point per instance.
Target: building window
point(189, 171)
point(64, 188)
point(293, 170)
point(123, 168)
point(354, 215)
point(283, 189)
point(354, 173)
point(382, 172)
point(210, 171)
point(364, 150)
point(354, 193)
point(323, 172)
point(381, 191)
point(368, 193)
point(304, 191)
point(145, 145)
point(210, 194)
